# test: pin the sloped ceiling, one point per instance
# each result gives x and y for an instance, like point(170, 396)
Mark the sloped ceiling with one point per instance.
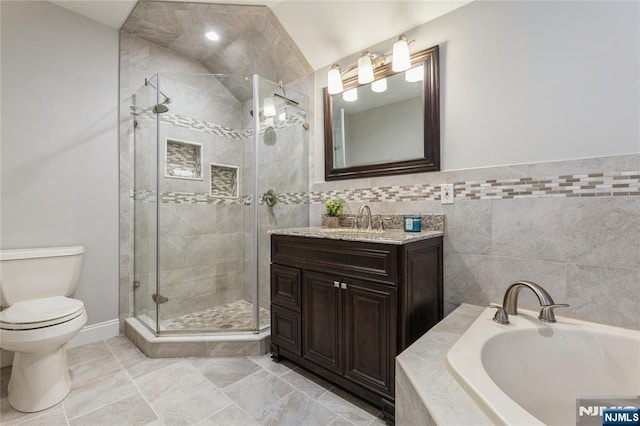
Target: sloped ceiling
point(323, 30)
point(252, 40)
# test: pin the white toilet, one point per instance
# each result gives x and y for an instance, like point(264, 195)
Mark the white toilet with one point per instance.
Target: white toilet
point(38, 320)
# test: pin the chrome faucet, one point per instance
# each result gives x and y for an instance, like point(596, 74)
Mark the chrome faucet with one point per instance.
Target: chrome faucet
point(361, 210)
point(510, 303)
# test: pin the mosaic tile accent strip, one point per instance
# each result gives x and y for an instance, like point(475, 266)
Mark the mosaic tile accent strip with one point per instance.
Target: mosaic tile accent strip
point(224, 181)
point(430, 221)
point(236, 315)
point(625, 183)
point(184, 160)
point(291, 198)
point(146, 196)
point(294, 119)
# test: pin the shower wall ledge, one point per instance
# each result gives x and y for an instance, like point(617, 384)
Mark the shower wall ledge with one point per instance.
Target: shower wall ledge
point(250, 344)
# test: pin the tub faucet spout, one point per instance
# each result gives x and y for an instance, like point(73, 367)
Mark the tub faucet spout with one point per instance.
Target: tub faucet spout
point(510, 302)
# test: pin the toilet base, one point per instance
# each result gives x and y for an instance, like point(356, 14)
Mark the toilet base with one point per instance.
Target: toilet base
point(39, 380)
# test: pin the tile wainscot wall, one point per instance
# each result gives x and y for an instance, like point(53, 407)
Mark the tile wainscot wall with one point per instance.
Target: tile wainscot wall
point(571, 226)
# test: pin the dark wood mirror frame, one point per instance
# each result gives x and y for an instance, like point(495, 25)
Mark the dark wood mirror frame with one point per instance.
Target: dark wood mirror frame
point(430, 162)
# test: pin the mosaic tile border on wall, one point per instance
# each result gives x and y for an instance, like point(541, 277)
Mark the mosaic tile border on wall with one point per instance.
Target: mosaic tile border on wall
point(624, 183)
point(299, 118)
point(146, 196)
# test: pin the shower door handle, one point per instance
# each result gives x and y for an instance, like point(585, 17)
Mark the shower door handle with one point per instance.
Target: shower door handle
point(270, 198)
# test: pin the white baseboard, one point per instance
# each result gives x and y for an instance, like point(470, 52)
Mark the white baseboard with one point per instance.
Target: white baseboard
point(89, 334)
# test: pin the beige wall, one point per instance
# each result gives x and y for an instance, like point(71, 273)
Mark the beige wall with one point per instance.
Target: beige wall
point(60, 142)
point(540, 91)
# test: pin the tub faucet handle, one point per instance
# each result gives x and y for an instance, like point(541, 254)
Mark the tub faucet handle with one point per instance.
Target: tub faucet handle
point(546, 313)
point(501, 316)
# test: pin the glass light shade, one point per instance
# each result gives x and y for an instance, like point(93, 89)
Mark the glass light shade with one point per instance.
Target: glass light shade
point(334, 81)
point(401, 57)
point(268, 107)
point(350, 95)
point(414, 74)
point(282, 116)
point(365, 69)
point(379, 86)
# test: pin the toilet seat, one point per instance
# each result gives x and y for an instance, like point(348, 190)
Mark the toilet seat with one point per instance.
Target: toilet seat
point(39, 313)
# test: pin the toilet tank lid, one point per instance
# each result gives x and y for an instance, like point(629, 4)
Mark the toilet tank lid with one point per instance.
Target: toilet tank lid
point(30, 253)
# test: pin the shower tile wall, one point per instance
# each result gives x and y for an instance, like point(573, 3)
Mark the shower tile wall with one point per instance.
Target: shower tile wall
point(167, 38)
point(278, 170)
point(571, 226)
point(201, 257)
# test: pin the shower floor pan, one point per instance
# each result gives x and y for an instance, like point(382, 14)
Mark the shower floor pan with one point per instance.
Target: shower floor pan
point(232, 316)
point(216, 332)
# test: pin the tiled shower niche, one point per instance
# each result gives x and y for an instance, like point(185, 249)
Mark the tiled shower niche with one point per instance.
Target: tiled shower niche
point(184, 160)
point(224, 180)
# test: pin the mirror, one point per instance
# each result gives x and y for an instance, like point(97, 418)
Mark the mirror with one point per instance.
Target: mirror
point(385, 131)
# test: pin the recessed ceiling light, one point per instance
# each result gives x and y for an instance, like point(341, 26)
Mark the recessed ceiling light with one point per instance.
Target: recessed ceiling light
point(212, 35)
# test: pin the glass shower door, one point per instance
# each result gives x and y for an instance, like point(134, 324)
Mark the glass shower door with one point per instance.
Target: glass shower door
point(282, 180)
point(145, 204)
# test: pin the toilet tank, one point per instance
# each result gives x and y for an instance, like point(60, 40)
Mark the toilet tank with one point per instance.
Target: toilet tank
point(27, 274)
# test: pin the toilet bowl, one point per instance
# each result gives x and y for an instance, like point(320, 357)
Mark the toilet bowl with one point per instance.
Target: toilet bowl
point(37, 329)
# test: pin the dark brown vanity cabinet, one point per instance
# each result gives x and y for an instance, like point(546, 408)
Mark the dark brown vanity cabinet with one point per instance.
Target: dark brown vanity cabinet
point(345, 309)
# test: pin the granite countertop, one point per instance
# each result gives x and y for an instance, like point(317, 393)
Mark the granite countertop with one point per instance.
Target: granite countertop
point(426, 393)
point(388, 236)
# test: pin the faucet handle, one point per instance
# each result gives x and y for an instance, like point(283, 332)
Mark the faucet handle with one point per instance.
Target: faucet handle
point(546, 313)
point(501, 316)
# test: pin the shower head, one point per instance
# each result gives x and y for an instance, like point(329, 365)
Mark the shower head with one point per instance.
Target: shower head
point(160, 108)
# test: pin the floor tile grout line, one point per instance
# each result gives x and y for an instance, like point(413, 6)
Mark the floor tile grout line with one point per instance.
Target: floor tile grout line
point(23, 421)
point(135, 385)
point(328, 390)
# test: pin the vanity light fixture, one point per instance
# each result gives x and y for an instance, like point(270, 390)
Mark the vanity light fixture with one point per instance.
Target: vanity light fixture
point(334, 80)
point(365, 68)
point(350, 95)
point(401, 60)
point(401, 57)
point(212, 35)
point(379, 86)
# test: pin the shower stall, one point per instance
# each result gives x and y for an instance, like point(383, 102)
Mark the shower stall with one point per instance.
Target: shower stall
point(219, 160)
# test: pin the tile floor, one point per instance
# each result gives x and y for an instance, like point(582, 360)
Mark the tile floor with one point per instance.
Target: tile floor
point(115, 384)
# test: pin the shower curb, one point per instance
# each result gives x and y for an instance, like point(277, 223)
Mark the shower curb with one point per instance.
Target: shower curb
point(200, 345)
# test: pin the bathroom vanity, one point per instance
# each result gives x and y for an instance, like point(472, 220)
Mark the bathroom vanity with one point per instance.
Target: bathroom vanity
point(343, 305)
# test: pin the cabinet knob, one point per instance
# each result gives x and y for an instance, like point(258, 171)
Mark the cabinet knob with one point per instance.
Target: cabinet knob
point(343, 286)
point(336, 284)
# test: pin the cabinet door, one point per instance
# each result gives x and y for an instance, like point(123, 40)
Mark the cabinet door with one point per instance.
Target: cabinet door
point(322, 321)
point(285, 287)
point(370, 335)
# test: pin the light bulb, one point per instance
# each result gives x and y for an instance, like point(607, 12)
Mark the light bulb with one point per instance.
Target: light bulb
point(365, 68)
point(401, 57)
point(379, 86)
point(334, 80)
point(414, 74)
point(350, 95)
point(212, 35)
point(268, 107)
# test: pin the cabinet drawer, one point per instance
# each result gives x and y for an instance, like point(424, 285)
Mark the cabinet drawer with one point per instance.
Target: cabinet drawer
point(373, 261)
point(285, 287)
point(286, 330)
